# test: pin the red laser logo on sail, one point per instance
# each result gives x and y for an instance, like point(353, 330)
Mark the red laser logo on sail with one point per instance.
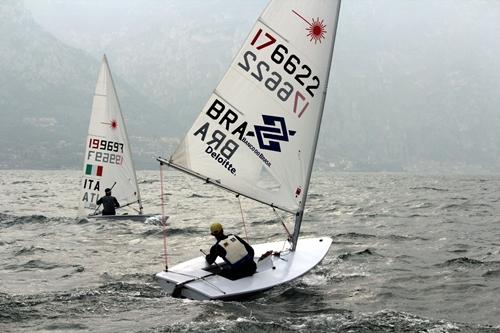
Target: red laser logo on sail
point(316, 30)
point(113, 124)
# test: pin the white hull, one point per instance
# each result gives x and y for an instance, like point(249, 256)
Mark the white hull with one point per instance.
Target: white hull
point(190, 280)
point(133, 217)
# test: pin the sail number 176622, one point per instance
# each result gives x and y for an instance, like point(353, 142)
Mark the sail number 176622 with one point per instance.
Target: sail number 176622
point(290, 65)
point(262, 71)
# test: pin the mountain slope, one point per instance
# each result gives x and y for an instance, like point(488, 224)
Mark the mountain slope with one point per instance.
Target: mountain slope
point(46, 90)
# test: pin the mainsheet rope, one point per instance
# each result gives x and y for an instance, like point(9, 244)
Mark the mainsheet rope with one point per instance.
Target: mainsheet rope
point(274, 210)
point(242, 218)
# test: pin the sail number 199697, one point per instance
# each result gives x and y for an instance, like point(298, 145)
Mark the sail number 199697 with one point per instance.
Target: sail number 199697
point(273, 80)
point(105, 151)
point(105, 145)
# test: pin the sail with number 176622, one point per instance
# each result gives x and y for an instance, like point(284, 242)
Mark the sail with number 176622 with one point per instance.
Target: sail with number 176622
point(108, 159)
point(262, 123)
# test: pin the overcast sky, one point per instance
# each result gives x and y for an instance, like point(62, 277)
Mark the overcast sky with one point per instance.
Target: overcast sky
point(412, 81)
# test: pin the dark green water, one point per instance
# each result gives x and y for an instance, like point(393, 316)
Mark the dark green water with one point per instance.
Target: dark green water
point(410, 254)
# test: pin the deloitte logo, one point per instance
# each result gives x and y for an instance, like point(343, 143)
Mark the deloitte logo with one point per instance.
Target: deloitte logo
point(221, 160)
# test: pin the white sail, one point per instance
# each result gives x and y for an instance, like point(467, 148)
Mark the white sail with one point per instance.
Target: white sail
point(257, 133)
point(108, 159)
point(257, 136)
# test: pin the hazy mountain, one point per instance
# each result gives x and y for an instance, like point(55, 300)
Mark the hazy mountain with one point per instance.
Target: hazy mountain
point(175, 52)
point(46, 90)
point(414, 84)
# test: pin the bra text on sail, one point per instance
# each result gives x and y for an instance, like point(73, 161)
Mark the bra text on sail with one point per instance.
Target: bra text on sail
point(268, 135)
point(218, 139)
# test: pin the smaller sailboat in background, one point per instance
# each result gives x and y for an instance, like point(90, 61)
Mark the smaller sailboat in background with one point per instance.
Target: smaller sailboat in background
point(108, 159)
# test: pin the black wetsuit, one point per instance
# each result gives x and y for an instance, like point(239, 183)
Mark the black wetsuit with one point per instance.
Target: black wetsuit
point(109, 203)
point(244, 267)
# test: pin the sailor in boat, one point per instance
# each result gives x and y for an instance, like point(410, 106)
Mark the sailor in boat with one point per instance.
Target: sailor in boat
point(236, 253)
point(109, 203)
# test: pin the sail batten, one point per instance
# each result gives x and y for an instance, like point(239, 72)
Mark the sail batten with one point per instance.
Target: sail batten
point(270, 28)
point(227, 102)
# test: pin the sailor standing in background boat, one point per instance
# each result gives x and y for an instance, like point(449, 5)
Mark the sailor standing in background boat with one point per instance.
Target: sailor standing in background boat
point(237, 253)
point(109, 203)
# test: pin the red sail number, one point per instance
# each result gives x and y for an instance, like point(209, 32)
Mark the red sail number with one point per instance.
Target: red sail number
point(270, 40)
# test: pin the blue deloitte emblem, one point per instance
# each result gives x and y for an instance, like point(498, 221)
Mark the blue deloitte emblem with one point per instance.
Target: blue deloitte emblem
point(269, 136)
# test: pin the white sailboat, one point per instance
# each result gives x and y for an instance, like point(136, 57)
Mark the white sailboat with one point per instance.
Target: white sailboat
point(108, 160)
point(262, 122)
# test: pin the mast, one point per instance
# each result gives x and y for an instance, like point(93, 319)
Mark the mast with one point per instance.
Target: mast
point(300, 213)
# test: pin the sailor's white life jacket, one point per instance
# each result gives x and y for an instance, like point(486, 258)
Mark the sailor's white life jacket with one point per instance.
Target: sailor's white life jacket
point(235, 250)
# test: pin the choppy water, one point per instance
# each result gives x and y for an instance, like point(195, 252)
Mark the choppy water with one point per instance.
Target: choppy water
point(410, 254)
